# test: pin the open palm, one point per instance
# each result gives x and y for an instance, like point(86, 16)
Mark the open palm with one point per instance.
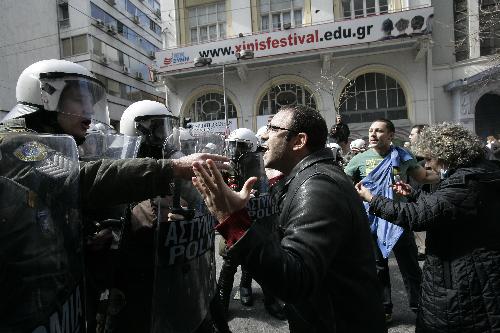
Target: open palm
point(220, 199)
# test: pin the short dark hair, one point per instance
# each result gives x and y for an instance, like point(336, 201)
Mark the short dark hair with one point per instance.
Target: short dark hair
point(389, 124)
point(340, 132)
point(419, 127)
point(308, 120)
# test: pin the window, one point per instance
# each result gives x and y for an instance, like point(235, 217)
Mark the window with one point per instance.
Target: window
point(97, 47)
point(283, 95)
point(119, 58)
point(74, 46)
point(63, 14)
point(115, 88)
point(489, 27)
point(98, 14)
point(372, 96)
point(207, 22)
point(350, 9)
point(211, 107)
point(277, 14)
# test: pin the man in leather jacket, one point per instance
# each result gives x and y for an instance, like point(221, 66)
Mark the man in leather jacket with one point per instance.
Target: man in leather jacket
point(319, 262)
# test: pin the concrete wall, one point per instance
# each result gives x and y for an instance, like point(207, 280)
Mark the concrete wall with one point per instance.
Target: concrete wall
point(28, 33)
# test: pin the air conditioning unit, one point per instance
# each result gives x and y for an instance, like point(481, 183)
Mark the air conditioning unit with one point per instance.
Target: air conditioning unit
point(158, 13)
point(136, 19)
point(125, 70)
point(111, 2)
point(103, 60)
point(99, 23)
point(151, 55)
point(111, 29)
point(138, 76)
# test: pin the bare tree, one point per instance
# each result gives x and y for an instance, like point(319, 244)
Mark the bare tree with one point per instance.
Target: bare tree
point(331, 81)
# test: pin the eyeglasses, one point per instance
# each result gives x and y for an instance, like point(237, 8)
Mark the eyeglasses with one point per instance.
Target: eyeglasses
point(273, 128)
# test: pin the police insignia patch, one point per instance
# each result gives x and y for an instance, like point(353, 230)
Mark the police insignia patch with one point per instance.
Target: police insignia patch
point(31, 152)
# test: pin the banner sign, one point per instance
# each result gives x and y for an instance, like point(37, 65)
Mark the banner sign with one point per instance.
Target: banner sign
point(408, 23)
point(213, 126)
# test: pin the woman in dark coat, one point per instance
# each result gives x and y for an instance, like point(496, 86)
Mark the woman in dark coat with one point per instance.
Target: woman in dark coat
point(461, 275)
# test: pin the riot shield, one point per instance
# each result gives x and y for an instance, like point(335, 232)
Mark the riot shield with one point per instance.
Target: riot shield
point(185, 273)
point(103, 262)
point(100, 145)
point(41, 259)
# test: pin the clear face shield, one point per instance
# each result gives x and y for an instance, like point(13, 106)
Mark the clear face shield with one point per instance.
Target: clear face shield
point(75, 96)
point(156, 129)
point(104, 142)
point(237, 148)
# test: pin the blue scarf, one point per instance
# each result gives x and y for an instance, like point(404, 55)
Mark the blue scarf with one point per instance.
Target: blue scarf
point(379, 182)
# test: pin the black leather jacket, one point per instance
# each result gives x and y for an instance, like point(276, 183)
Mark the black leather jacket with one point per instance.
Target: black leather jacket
point(460, 283)
point(320, 261)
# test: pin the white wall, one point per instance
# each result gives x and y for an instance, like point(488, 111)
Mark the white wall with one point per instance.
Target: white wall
point(28, 33)
point(325, 11)
point(241, 17)
point(169, 26)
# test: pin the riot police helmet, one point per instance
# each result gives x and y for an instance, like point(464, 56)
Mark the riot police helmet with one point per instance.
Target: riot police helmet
point(241, 141)
point(188, 142)
point(61, 97)
point(149, 119)
point(260, 132)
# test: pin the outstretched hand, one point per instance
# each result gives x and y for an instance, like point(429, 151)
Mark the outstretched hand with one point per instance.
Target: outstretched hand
point(220, 199)
point(183, 167)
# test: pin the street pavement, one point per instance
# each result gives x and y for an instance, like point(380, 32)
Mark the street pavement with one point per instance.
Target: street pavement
point(255, 319)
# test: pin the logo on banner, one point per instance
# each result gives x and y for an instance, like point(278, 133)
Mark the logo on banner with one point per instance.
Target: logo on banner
point(177, 58)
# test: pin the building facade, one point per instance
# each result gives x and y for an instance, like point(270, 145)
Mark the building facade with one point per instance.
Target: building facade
point(115, 39)
point(405, 60)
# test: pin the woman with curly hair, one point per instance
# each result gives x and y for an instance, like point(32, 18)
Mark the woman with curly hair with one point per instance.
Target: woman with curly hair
point(461, 276)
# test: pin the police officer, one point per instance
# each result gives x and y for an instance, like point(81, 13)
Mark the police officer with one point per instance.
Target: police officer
point(153, 122)
point(42, 185)
point(161, 137)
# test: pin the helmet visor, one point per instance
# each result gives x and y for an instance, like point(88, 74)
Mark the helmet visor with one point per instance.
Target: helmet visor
point(237, 148)
point(74, 95)
point(156, 129)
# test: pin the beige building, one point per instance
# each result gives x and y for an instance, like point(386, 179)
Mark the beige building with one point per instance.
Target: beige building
point(412, 61)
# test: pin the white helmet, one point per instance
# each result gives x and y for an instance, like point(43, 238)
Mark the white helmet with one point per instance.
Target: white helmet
point(139, 109)
point(188, 142)
point(149, 119)
point(244, 139)
point(358, 145)
point(261, 131)
point(46, 84)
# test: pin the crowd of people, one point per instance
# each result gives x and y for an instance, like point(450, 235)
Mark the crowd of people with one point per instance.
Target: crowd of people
point(106, 231)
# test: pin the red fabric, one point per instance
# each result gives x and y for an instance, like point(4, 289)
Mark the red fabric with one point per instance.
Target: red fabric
point(234, 227)
point(276, 179)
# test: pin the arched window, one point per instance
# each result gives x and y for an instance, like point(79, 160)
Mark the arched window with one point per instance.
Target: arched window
point(210, 107)
point(285, 94)
point(372, 96)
